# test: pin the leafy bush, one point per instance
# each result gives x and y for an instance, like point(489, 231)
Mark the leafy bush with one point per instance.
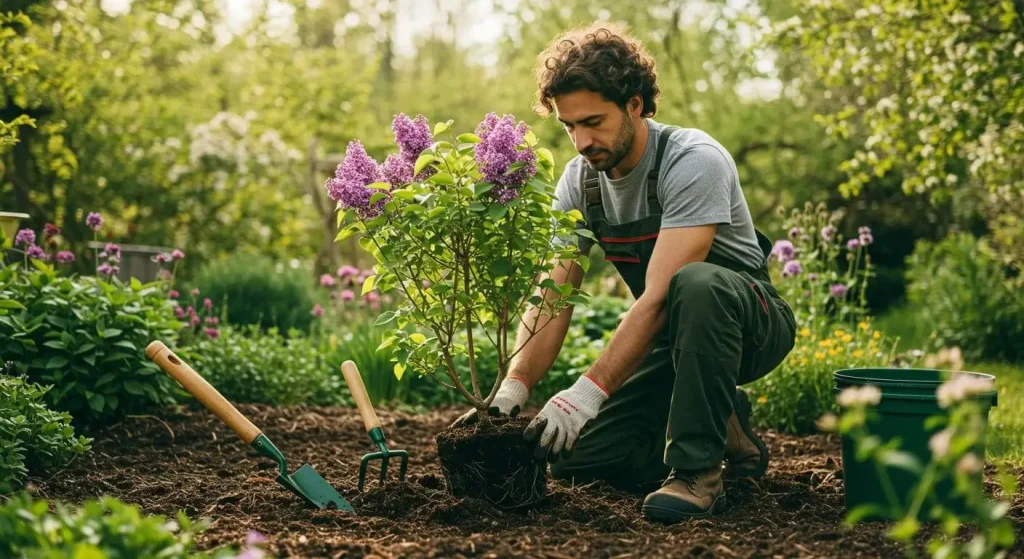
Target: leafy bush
point(86, 337)
point(255, 290)
point(102, 527)
point(966, 297)
point(793, 396)
point(33, 438)
point(601, 315)
point(248, 365)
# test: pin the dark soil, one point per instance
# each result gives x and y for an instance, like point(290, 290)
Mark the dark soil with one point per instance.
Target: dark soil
point(188, 460)
point(491, 461)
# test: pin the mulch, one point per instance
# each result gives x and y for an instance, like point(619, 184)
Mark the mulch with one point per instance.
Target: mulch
point(187, 460)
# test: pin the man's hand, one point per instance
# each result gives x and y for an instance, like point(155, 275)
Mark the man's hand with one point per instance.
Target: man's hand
point(559, 423)
point(509, 400)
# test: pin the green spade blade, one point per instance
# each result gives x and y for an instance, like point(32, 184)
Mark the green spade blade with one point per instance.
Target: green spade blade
point(305, 482)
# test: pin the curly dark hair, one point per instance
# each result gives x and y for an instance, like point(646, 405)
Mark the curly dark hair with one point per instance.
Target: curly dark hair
point(599, 58)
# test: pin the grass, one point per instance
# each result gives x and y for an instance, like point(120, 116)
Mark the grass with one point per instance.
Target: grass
point(1006, 420)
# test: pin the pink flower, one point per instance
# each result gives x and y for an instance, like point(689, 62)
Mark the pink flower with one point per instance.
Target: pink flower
point(347, 295)
point(784, 251)
point(195, 321)
point(179, 312)
point(207, 303)
point(828, 232)
point(51, 230)
point(327, 280)
point(162, 257)
point(191, 311)
point(65, 257)
point(216, 319)
point(372, 297)
point(94, 221)
point(209, 319)
point(347, 270)
point(164, 274)
point(852, 244)
point(25, 237)
point(318, 310)
point(212, 333)
point(195, 292)
point(838, 290)
point(254, 538)
point(177, 254)
point(174, 294)
point(113, 250)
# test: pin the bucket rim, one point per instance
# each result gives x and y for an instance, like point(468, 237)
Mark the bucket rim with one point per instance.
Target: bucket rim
point(846, 374)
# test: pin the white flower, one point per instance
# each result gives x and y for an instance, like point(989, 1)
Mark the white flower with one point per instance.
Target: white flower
point(868, 395)
point(939, 443)
point(828, 422)
point(961, 388)
point(970, 464)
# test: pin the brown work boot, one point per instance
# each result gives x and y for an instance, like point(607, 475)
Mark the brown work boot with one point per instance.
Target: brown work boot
point(745, 453)
point(685, 495)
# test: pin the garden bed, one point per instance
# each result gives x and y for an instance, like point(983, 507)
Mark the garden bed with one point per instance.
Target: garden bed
point(187, 460)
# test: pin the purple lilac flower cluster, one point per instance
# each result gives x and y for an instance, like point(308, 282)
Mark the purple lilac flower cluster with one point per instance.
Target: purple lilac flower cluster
point(499, 150)
point(786, 253)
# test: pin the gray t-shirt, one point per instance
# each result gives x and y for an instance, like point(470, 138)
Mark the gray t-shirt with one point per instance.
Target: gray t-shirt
point(698, 184)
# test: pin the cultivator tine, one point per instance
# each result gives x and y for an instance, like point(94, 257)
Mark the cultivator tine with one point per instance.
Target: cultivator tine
point(373, 428)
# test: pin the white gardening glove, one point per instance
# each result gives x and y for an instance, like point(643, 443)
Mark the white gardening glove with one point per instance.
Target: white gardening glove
point(558, 425)
point(509, 400)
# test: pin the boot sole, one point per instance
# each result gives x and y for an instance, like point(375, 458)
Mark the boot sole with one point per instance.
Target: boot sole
point(743, 414)
point(668, 514)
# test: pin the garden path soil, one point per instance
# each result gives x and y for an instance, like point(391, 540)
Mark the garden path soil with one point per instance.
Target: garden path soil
point(187, 460)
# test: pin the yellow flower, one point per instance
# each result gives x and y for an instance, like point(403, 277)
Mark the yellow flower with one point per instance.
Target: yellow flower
point(803, 361)
point(762, 400)
point(839, 333)
point(858, 353)
point(847, 339)
point(805, 332)
point(825, 343)
point(864, 325)
point(876, 335)
point(832, 353)
point(819, 355)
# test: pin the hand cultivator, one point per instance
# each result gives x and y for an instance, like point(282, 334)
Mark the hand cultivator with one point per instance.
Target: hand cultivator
point(362, 400)
point(305, 482)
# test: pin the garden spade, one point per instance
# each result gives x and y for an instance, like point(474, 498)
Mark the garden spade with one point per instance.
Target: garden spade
point(305, 482)
point(373, 428)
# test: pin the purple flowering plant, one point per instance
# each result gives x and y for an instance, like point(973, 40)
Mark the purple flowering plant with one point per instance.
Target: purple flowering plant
point(823, 275)
point(461, 228)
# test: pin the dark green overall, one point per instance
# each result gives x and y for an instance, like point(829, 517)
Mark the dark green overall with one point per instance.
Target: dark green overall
point(727, 326)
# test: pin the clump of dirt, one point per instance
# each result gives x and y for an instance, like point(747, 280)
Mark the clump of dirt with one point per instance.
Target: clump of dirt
point(491, 461)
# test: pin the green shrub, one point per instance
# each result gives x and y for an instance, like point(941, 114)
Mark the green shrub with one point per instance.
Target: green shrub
point(248, 365)
point(793, 396)
point(255, 290)
point(102, 527)
point(33, 438)
point(87, 338)
point(965, 295)
point(601, 315)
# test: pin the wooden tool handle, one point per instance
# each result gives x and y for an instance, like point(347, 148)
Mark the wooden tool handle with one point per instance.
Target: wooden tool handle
point(358, 390)
point(198, 387)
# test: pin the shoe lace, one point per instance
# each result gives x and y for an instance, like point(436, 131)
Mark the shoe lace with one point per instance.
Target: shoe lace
point(689, 478)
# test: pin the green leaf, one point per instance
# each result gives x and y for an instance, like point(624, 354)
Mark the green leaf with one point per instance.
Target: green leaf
point(127, 345)
point(399, 370)
point(110, 333)
point(440, 127)
point(904, 529)
point(481, 188)
point(501, 267)
point(477, 207)
point(531, 138)
point(901, 459)
point(469, 138)
point(134, 387)
point(545, 155)
point(10, 305)
point(586, 233)
point(56, 362)
point(442, 178)
point(379, 185)
point(418, 338)
point(56, 345)
point(90, 359)
point(96, 402)
point(369, 284)
point(385, 317)
point(377, 197)
point(575, 214)
point(863, 511)
point(584, 262)
point(421, 163)
point(107, 377)
point(135, 284)
point(349, 230)
point(497, 211)
point(403, 193)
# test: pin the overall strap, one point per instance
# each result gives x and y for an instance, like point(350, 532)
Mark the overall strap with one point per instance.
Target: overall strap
point(653, 203)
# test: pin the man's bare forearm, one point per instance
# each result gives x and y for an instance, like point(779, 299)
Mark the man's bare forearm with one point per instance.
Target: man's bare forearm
point(630, 344)
point(540, 336)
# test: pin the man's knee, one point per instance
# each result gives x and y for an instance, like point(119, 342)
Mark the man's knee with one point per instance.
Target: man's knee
point(698, 283)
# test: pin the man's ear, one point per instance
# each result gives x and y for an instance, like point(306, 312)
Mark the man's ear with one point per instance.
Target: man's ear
point(635, 105)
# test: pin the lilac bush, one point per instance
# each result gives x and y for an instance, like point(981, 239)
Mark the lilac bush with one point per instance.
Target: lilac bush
point(461, 226)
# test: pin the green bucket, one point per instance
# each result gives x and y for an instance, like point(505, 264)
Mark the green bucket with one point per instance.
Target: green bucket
point(908, 399)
